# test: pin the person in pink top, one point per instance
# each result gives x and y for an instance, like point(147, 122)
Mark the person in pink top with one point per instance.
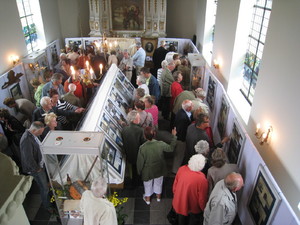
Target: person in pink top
point(151, 108)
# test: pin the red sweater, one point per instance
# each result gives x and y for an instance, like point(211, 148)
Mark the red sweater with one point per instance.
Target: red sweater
point(176, 89)
point(190, 190)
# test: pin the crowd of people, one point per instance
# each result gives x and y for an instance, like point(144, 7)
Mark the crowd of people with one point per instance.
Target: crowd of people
point(205, 184)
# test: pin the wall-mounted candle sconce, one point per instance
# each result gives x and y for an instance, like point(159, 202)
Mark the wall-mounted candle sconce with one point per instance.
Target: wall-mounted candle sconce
point(263, 136)
point(216, 64)
point(14, 59)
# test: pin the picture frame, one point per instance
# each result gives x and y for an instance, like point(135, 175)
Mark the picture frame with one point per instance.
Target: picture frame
point(127, 15)
point(211, 93)
point(16, 92)
point(223, 116)
point(237, 140)
point(264, 199)
point(149, 45)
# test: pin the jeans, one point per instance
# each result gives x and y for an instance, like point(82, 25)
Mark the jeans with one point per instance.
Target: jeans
point(41, 180)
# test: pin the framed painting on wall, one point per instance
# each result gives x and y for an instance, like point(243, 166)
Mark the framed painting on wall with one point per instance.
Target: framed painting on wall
point(237, 139)
point(127, 15)
point(211, 93)
point(16, 92)
point(264, 200)
point(149, 45)
point(223, 116)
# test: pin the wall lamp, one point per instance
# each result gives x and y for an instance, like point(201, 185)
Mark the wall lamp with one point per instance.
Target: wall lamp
point(263, 136)
point(216, 64)
point(14, 59)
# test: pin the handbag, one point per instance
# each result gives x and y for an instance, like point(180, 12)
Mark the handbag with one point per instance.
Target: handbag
point(172, 217)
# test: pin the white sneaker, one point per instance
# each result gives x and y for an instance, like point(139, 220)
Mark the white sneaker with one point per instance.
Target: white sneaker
point(147, 202)
point(158, 199)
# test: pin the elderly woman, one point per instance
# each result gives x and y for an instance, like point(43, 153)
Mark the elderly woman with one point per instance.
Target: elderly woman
point(51, 124)
point(190, 191)
point(141, 83)
point(202, 147)
point(150, 107)
point(146, 119)
point(95, 207)
point(151, 164)
point(220, 168)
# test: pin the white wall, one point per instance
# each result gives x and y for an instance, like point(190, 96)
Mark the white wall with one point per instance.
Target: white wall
point(277, 90)
point(11, 35)
point(181, 18)
point(277, 97)
point(51, 20)
point(200, 21)
point(74, 18)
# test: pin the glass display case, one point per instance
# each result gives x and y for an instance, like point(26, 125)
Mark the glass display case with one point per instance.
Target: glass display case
point(197, 70)
point(59, 146)
point(107, 114)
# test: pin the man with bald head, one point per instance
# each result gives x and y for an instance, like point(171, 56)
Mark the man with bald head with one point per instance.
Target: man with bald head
point(221, 207)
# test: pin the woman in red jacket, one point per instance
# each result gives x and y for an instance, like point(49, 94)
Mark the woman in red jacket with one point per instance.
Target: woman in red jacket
point(190, 191)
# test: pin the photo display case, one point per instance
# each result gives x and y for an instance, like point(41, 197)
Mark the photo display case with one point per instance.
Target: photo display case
point(66, 188)
point(197, 70)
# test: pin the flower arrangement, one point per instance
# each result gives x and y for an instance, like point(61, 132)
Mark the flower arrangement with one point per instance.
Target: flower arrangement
point(117, 202)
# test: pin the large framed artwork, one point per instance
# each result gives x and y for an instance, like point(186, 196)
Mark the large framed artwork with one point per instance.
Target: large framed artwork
point(127, 15)
point(211, 93)
point(223, 116)
point(16, 92)
point(264, 199)
point(149, 45)
point(237, 139)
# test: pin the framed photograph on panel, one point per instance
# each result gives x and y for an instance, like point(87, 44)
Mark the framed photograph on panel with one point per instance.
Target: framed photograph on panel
point(127, 15)
point(149, 45)
point(237, 140)
point(16, 92)
point(211, 93)
point(264, 200)
point(223, 116)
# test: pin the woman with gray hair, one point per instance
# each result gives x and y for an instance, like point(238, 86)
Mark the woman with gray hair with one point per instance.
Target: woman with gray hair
point(95, 206)
point(141, 83)
point(220, 168)
point(190, 191)
point(202, 148)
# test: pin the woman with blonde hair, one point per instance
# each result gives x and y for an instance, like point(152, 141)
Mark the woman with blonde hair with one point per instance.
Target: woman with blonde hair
point(51, 124)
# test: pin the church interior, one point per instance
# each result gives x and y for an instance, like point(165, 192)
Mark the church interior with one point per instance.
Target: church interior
point(251, 108)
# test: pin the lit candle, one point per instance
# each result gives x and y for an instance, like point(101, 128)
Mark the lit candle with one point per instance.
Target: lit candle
point(97, 45)
point(110, 45)
point(87, 64)
point(73, 72)
point(257, 127)
point(116, 43)
point(101, 67)
point(264, 136)
point(92, 73)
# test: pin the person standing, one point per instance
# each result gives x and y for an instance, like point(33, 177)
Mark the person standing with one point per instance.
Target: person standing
point(32, 160)
point(151, 164)
point(183, 119)
point(126, 65)
point(221, 207)
point(95, 207)
point(55, 83)
point(133, 138)
point(139, 58)
point(190, 192)
point(152, 83)
point(158, 56)
point(166, 81)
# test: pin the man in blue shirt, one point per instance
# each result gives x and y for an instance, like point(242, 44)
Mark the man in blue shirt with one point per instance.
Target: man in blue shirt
point(139, 58)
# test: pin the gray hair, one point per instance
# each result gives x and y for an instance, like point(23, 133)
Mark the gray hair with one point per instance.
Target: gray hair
point(138, 44)
point(56, 77)
point(197, 162)
point(202, 147)
point(131, 116)
point(72, 87)
point(200, 93)
point(141, 79)
point(99, 187)
point(164, 64)
point(233, 180)
point(44, 100)
point(186, 104)
point(36, 125)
